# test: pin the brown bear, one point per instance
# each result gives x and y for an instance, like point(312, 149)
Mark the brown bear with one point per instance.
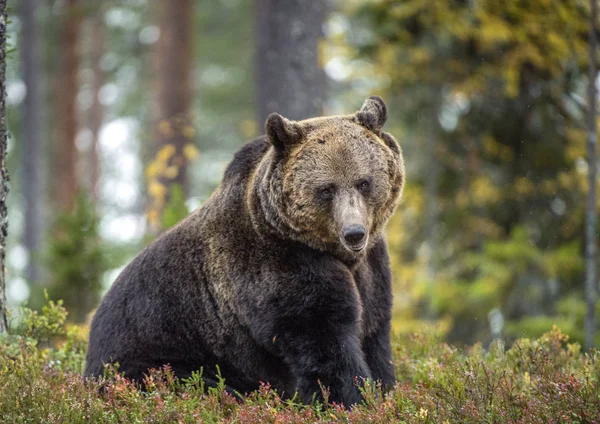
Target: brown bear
point(282, 276)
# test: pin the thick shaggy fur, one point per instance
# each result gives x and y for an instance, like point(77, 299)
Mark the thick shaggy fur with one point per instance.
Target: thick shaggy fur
point(257, 282)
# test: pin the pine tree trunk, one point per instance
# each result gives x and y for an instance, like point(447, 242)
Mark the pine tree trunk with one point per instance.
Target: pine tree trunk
point(3, 171)
point(290, 79)
point(172, 107)
point(96, 111)
point(67, 89)
point(29, 49)
point(591, 213)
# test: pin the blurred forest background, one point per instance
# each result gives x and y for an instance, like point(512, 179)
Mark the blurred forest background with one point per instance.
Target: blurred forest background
point(124, 114)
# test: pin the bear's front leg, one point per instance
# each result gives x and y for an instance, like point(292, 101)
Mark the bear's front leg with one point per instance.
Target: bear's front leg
point(326, 358)
point(378, 354)
point(314, 327)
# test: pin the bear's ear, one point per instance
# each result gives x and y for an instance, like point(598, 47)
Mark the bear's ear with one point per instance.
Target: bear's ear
point(282, 132)
point(372, 114)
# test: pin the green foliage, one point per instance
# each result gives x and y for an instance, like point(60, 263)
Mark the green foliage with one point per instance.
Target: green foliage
point(519, 278)
point(46, 333)
point(569, 315)
point(225, 115)
point(487, 106)
point(77, 258)
point(175, 209)
point(43, 326)
point(542, 380)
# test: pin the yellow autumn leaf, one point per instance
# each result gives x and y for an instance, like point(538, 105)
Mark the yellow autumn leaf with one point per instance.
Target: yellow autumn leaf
point(549, 187)
point(420, 55)
point(484, 191)
point(558, 44)
point(490, 145)
point(190, 151)
point(153, 217)
point(565, 180)
point(171, 172)
point(386, 55)
point(165, 129)
point(511, 76)
point(188, 131)
point(165, 153)
point(154, 169)
point(156, 190)
point(524, 186)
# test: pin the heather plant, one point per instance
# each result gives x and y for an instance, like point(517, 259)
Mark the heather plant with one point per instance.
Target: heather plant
point(543, 380)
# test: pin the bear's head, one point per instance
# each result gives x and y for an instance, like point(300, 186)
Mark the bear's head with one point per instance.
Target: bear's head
point(332, 182)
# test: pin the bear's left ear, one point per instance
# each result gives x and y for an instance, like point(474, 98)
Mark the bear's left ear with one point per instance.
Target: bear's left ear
point(372, 114)
point(282, 132)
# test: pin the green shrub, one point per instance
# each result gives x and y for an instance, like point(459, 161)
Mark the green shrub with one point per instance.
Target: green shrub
point(78, 259)
point(542, 380)
point(175, 209)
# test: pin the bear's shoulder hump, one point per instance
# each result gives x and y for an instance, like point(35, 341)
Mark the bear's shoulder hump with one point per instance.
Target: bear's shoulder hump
point(246, 159)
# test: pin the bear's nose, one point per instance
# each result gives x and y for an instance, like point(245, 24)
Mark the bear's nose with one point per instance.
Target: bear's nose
point(354, 234)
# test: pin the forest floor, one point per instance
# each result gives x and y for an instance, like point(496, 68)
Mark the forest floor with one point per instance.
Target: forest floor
point(546, 380)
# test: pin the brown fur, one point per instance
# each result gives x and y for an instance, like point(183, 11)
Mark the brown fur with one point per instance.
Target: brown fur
point(259, 280)
point(338, 150)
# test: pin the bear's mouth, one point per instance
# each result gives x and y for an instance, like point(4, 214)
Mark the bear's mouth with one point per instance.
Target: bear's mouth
point(355, 247)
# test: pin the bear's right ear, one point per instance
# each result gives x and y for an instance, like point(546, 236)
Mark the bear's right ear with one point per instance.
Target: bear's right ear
point(282, 132)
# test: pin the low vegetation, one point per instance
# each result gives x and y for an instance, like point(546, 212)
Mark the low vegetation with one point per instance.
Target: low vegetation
point(546, 380)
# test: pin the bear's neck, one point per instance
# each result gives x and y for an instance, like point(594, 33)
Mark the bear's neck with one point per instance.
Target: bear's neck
point(263, 205)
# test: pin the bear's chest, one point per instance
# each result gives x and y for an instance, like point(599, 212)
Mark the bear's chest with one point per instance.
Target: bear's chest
point(372, 296)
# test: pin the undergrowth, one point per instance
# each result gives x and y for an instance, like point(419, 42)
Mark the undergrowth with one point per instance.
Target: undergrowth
point(546, 380)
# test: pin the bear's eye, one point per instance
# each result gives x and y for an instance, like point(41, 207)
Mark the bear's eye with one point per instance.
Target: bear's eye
point(363, 185)
point(326, 192)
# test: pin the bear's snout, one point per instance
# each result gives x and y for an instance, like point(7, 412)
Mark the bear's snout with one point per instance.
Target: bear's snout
point(354, 235)
point(351, 218)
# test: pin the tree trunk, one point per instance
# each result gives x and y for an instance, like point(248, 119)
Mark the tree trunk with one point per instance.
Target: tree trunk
point(3, 171)
point(96, 111)
point(590, 215)
point(290, 80)
point(31, 135)
point(67, 89)
point(173, 131)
